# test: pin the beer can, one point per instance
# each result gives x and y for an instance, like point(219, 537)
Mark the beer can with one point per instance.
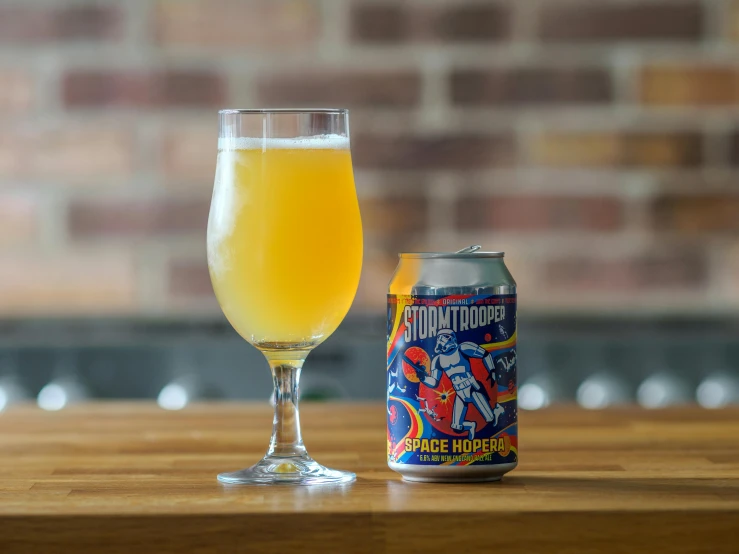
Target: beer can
point(451, 367)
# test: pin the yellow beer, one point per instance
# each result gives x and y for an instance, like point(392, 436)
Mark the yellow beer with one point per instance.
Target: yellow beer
point(284, 237)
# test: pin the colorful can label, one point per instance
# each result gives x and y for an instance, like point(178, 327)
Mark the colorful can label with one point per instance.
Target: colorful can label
point(451, 365)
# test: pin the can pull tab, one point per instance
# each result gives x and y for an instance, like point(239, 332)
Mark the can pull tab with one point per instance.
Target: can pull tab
point(469, 249)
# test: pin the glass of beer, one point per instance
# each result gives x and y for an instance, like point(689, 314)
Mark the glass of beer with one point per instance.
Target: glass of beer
point(285, 254)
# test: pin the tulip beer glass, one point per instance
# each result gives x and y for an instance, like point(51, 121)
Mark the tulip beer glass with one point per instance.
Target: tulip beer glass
point(285, 254)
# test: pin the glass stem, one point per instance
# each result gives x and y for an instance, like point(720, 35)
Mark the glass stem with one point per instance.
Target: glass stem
point(286, 438)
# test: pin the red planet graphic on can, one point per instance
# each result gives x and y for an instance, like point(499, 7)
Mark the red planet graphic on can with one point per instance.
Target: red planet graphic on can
point(419, 357)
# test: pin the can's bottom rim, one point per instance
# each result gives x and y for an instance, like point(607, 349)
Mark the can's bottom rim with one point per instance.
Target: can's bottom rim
point(452, 474)
point(431, 479)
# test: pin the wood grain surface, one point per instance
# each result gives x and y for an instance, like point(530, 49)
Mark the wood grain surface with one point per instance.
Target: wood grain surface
point(122, 478)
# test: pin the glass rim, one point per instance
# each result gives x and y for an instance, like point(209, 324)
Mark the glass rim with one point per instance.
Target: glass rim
point(269, 111)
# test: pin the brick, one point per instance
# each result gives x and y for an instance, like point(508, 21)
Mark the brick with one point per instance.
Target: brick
point(433, 152)
point(573, 150)
point(66, 283)
point(476, 22)
point(715, 213)
point(189, 88)
point(19, 218)
point(83, 152)
point(628, 149)
point(78, 153)
point(275, 24)
point(530, 86)
point(662, 150)
point(33, 24)
point(189, 154)
point(394, 214)
point(171, 88)
point(612, 21)
point(689, 86)
point(386, 89)
point(137, 218)
point(88, 22)
point(663, 269)
point(390, 23)
point(540, 213)
point(16, 91)
point(189, 278)
point(91, 88)
point(380, 23)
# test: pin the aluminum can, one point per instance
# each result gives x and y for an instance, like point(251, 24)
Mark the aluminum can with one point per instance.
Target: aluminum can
point(451, 367)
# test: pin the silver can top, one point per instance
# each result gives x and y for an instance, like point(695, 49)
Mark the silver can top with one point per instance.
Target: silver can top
point(469, 252)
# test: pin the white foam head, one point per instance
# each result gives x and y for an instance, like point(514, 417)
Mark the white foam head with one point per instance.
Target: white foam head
point(318, 142)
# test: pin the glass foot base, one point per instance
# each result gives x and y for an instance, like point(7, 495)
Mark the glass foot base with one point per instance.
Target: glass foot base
point(274, 470)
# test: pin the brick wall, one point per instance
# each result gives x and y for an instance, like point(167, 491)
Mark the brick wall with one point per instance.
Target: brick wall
point(596, 142)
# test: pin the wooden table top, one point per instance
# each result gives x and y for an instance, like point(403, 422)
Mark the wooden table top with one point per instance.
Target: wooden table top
point(115, 477)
